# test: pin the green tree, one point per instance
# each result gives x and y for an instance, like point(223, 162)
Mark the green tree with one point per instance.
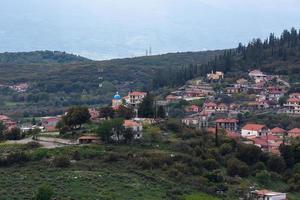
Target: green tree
point(107, 112)
point(161, 112)
point(76, 116)
point(146, 109)
point(105, 131)
point(14, 134)
point(237, 167)
point(124, 112)
point(2, 130)
point(276, 164)
point(44, 193)
point(128, 135)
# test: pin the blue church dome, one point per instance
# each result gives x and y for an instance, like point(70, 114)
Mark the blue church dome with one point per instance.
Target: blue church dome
point(117, 96)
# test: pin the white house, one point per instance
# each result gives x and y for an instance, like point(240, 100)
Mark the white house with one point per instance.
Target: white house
point(268, 195)
point(254, 130)
point(257, 75)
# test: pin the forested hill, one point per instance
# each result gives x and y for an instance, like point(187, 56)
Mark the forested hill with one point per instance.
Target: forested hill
point(39, 57)
point(276, 55)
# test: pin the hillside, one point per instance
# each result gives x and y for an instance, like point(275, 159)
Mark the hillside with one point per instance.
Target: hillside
point(55, 86)
point(39, 57)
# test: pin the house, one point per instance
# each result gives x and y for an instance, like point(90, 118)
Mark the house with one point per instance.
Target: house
point(233, 90)
point(292, 106)
point(135, 98)
point(222, 107)
point(294, 133)
point(257, 130)
point(173, 98)
point(275, 95)
point(268, 143)
point(278, 132)
point(94, 113)
point(49, 123)
point(228, 124)
point(199, 120)
point(7, 122)
point(215, 76)
point(192, 108)
point(295, 95)
point(89, 139)
point(135, 126)
point(257, 75)
point(210, 107)
point(267, 195)
point(242, 82)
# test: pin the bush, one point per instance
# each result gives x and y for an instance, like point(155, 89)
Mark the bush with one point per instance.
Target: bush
point(39, 154)
point(259, 166)
point(44, 193)
point(263, 177)
point(237, 167)
point(276, 164)
point(211, 164)
point(61, 162)
point(17, 157)
point(14, 134)
point(225, 149)
point(250, 154)
point(32, 145)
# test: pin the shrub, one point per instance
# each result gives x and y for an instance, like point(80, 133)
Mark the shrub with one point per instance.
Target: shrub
point(39, 154)
point(44, 193)
point(225, 149)
point(32, 145)
point(259, 166)
point(237, 167)
point(296, 168)
point(211, 164)
point(215, 176)
point(276, 164)
point(250, 154)
point(263, 177)
point(61, 162)
point(17, 157)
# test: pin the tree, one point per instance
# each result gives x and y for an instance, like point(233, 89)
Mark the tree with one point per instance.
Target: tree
point(76, 116)
point(107, 112)
point(124, 112)
point(237, 167)
point(2, 129)
point(250, 154)
point(44, 193)
point(128, 135)
point(152, 134)
point(105, 131)
point(14, 134)
point(146, 107)
point(161, 112)
point(276, 164)
point(33, 121)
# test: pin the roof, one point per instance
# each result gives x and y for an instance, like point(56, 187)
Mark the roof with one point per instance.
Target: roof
point(227, 120)
point(210, 104)
point(117, 96)
point(293, 100)
point(130, 123)
point(295, 130)
point(3, 118)
point(253, 127)
point(267, 193)
point(137, 93)
point(278, 130)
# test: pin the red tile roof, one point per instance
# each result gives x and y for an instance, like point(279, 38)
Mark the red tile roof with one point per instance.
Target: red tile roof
point(137, 93)
point(227, 120)
point(130, 123)
point(278, 130)
point(293, 100)
point(295, 131)
point(253, 127)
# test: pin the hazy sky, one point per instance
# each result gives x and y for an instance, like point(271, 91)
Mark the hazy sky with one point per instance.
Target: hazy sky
point(102, 29)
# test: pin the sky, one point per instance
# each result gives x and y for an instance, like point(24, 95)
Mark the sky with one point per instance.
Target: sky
point(105, 29)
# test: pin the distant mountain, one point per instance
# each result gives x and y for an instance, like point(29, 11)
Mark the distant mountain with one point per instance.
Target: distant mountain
point(39, 57)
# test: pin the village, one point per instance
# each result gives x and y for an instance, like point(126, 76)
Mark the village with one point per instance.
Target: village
point(208, 107)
